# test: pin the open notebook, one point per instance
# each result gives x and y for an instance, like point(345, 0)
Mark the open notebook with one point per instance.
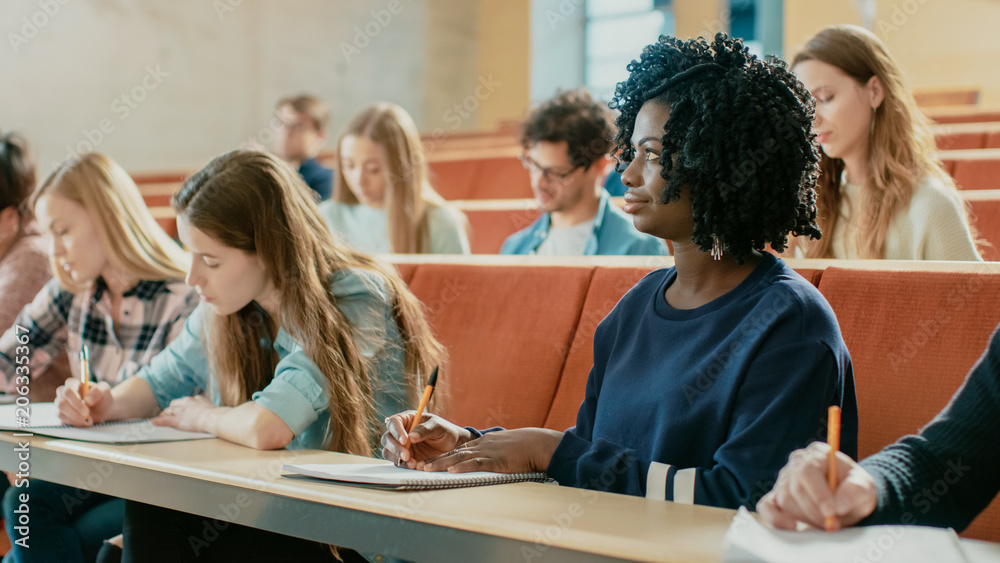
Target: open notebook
point(750, 541)
point(43, 419)
point(388, 476)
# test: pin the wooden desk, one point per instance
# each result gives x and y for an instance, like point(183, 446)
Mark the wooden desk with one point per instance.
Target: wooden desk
point(516, 522)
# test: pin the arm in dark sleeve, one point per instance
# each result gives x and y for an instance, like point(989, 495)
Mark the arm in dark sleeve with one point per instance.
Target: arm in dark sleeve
point(949, 473)
point(780, 407)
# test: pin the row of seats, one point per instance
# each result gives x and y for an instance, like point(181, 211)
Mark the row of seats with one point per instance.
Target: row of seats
point(503, 177)
point(983, 139)
point(962, 114)
point(520, 332)
point(492, 221)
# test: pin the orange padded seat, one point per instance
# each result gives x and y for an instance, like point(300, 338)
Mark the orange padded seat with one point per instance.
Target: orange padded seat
point(986, 220)
point(502, 178)
point(507, 330)
point(977, 174)
point(957, 141)
point(963, 117)
point(606, 288)
point(455, 179)
point(913, 336)
point(406, 271)
point(490, 227)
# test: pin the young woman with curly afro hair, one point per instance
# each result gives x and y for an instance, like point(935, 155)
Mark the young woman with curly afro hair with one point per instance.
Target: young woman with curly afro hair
point(709, 373)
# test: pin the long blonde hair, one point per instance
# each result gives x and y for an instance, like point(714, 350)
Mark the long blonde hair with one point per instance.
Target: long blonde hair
point(901, 147)
point(252, 201)
point(130, 238)
point(409, 196)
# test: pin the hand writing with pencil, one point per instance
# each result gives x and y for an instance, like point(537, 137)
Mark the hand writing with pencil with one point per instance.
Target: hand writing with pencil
point(524, 450)
point(439, 445)
point(432, 437)
point(803, 495)
point(92, 408)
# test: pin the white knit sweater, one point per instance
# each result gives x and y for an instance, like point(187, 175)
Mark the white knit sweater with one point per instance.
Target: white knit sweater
point(933, 227)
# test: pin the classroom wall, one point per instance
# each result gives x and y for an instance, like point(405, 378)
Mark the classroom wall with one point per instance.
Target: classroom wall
point(504, 61)
point(700, 18)
point(938, 44)
point(164, 85)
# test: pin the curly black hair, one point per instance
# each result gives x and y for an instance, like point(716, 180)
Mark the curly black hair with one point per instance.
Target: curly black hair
point(575, 117)
point(739, 137)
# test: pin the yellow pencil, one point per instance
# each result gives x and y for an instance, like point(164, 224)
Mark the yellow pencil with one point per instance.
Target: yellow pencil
point(423, 400)
point(833, 439)
point(84, 372)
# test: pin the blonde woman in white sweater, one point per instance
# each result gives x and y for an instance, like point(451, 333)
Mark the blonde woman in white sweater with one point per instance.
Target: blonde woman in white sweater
point(882, 191)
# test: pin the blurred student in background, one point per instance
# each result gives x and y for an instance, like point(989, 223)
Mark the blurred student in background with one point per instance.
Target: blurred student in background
point(301, 134)
point(882, 191)
point(566, 142)
point(383, 200)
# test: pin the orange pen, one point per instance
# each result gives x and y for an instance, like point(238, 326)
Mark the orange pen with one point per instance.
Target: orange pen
point(833, 439)
point(423, 400)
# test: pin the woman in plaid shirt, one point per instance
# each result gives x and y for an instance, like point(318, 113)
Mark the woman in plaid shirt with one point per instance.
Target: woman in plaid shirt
point(118, 289)
point(300, 342)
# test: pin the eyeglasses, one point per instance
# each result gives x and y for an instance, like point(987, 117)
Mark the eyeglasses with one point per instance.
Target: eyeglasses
point(550, 175)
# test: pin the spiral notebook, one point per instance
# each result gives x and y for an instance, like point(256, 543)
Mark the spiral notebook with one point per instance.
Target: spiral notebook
point(388, 476)
point(43, 419)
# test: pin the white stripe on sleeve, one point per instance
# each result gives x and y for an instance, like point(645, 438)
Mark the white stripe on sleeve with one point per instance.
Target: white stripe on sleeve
point(684, 485)
point(656, 480)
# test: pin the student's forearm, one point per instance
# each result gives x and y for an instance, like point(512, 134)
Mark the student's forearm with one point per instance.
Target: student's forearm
point(250, 425)
point(133, 398)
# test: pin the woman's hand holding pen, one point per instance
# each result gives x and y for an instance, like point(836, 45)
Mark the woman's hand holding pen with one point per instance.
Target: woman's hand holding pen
point(802, 494)
point(523, 450)
point(432, 437)
point(83, 411)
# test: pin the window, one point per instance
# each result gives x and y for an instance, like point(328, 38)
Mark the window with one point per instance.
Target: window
point(616, 32)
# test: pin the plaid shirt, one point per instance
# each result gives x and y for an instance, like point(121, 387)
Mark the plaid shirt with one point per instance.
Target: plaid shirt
point(151, 314)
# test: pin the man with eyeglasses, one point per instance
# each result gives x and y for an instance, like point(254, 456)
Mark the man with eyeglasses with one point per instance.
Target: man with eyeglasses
point(300, 136)
point(566, 141)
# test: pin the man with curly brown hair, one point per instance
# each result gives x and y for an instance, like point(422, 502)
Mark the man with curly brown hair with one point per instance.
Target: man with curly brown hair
point(566, 142)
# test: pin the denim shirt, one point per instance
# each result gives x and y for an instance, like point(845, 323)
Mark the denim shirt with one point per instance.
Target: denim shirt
point(613, 235)
point(298, 393)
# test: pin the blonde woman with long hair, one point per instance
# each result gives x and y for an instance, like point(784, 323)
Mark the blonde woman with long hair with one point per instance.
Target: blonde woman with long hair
point(300, 342)
point(382, 198)
point(882, 191)
point(118, 289)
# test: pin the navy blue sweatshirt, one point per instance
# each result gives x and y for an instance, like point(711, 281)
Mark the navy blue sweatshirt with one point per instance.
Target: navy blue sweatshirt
point(705, 405)
point(949, 473)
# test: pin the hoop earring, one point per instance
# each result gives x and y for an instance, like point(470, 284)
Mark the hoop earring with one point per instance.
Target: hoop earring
point(716, 248)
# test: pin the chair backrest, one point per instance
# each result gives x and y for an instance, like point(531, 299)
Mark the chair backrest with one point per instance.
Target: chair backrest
point(507, 331)
point(913, 337)
point(977, 174)
point(985, 215)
